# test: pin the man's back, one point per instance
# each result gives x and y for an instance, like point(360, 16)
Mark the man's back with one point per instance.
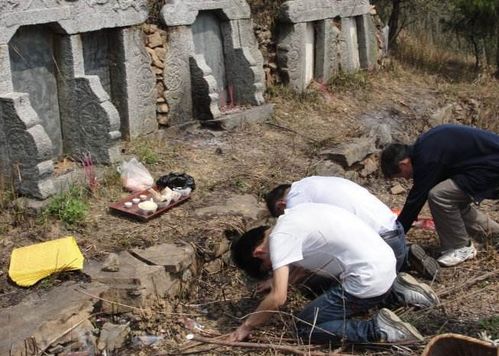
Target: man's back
point(345, 194)
point(331, 241)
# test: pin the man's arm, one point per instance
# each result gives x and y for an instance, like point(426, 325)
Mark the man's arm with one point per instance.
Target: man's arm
point(425, 178)
point(272, 301)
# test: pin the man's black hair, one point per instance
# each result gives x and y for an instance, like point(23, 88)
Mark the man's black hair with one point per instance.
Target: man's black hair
point(242, 249)
point(391, 156)
point(273, 196)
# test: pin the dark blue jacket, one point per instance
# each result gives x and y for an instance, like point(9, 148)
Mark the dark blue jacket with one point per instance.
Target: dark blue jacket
point(468, 155)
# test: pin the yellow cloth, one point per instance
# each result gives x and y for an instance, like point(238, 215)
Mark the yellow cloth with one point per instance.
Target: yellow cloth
point(32, 263)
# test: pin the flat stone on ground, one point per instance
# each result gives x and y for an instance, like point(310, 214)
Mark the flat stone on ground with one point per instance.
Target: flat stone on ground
point(173, 257)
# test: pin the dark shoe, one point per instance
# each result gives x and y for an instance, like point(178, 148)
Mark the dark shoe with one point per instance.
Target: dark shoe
point(392, 329)
point(419, 261)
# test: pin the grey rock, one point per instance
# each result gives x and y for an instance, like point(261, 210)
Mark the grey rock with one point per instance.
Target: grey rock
point(243, 205)
point(172, 257)
point(329, 168)
point(112, 336)
point(397, 189)
point(348, 153)
point(112, 263)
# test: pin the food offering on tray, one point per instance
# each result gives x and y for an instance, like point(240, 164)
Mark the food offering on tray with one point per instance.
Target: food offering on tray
point(148, 207)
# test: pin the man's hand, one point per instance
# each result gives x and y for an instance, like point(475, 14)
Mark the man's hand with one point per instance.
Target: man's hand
point(264, 286)
point(241, 334)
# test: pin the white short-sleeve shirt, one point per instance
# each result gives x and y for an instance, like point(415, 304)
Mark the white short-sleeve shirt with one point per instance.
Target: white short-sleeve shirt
point(345, 194)
point(331, 241)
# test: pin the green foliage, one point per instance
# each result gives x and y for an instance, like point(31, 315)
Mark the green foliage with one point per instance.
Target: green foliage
point(70, 207)
point(491, 325)
point(147, 155)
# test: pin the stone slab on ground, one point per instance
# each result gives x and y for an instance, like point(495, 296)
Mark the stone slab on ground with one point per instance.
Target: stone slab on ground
point(348, 153)
point(231, 121)
point(133, 285)
point(245, 205)
point(173, 257)
point(43, 318)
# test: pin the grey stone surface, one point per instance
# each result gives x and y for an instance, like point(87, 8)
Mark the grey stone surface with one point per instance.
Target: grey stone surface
point(134, 285)
point(111, 263)
point(134, 92)
point(34, 72)
point(327, 50)
point(329, 168)
point(348, 153)
point(296, 11)
point(73, 16)
point(41, 318)
point(350, 61)
point(112, 336)
point(291, 55)
point(177, 74)
point(252, 115)
point(6, 85)
point(213, 56)
point(368, 45)
point(243, 205)
point(28, 146)
point(173, 257)
point(334, 49)
point(184, 12)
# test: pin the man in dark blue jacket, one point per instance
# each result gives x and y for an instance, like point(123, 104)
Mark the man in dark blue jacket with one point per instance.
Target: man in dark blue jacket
point(452, 166)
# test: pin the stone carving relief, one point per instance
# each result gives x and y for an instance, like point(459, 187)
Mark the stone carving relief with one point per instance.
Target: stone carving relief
point(10, 5)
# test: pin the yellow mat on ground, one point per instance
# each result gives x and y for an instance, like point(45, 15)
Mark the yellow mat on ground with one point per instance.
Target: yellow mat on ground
point(32, 263)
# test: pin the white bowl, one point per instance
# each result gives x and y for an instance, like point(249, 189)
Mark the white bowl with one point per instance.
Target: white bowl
point(143, 197)
point(148, 206)
point(128, 204)
point(136, 200)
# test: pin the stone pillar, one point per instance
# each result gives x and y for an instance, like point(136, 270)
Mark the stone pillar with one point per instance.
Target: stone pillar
point(327, 50)
point(5, 87)
point(350, 55)
point(177, 74)
point(368, 46)
point(90, 122)
point(133, 81)
point(291, 54)
point(29, 146)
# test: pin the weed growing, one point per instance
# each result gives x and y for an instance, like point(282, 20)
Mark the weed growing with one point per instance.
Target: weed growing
point(344, 81)
point(70, 207)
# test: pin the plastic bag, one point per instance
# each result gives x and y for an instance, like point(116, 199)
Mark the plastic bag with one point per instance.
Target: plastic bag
point(134, 176)
point(176, 180)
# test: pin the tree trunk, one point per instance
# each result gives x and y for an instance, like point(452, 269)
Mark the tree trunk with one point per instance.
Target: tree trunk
point(497, 51)
point(393, 23)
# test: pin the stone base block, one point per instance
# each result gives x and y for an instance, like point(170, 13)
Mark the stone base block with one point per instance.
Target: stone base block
point(231, 121)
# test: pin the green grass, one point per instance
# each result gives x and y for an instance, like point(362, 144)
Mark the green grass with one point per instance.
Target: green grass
point(350, 81)
point(70, 207)
point(491, 325)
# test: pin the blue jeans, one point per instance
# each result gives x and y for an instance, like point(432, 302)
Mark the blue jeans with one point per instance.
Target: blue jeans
point(396, 240)
point(328, 318)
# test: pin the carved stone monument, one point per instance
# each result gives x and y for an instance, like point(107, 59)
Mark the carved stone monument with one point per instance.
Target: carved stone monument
point(213, 68)
point(319, 37)
point(74, 79)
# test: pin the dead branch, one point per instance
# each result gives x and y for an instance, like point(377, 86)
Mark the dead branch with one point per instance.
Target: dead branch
point(285, 348)
point(468, 283)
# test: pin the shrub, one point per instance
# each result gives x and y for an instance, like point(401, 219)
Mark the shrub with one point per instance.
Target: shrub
point(70, 207)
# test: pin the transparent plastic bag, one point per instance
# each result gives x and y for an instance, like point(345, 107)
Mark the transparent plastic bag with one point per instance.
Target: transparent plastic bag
point(134, 176)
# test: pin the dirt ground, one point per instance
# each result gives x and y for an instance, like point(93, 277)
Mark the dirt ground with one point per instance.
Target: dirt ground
point(252, 160)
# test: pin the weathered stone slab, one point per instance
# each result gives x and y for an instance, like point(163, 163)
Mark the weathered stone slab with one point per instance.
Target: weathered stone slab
point(368, 45)
point(251, 115)
point(244, 205)
point(184, 12)
point(74, 16)
point(348, 153)
point(296, 11)
point(134, 284)
point(173, 257)
point(41, 318)
point(350, 61)
point(112, 336)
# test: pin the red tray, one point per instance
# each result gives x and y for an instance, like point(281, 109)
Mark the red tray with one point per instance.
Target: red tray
point(136, 213)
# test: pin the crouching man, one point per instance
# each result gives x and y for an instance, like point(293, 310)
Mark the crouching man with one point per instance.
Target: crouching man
point(329, 241)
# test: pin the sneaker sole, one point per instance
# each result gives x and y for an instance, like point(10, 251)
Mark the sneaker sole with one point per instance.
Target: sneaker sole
point(424, 264)
point(391, 318)
point(411, 283)
point(473, 255)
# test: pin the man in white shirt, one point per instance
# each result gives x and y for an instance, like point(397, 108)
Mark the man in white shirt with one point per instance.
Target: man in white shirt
point(329, 241)
point(348, 195)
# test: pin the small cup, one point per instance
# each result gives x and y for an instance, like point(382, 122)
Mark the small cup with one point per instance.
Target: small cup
point(143, 197)
point(128, 204)
point(136, 200)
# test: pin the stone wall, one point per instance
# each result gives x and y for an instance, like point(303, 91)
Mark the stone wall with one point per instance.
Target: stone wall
point(345, 39)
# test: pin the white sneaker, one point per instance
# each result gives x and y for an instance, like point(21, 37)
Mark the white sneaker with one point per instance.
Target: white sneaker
point(411, 292)
point(393, 329)
point(456, 256)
